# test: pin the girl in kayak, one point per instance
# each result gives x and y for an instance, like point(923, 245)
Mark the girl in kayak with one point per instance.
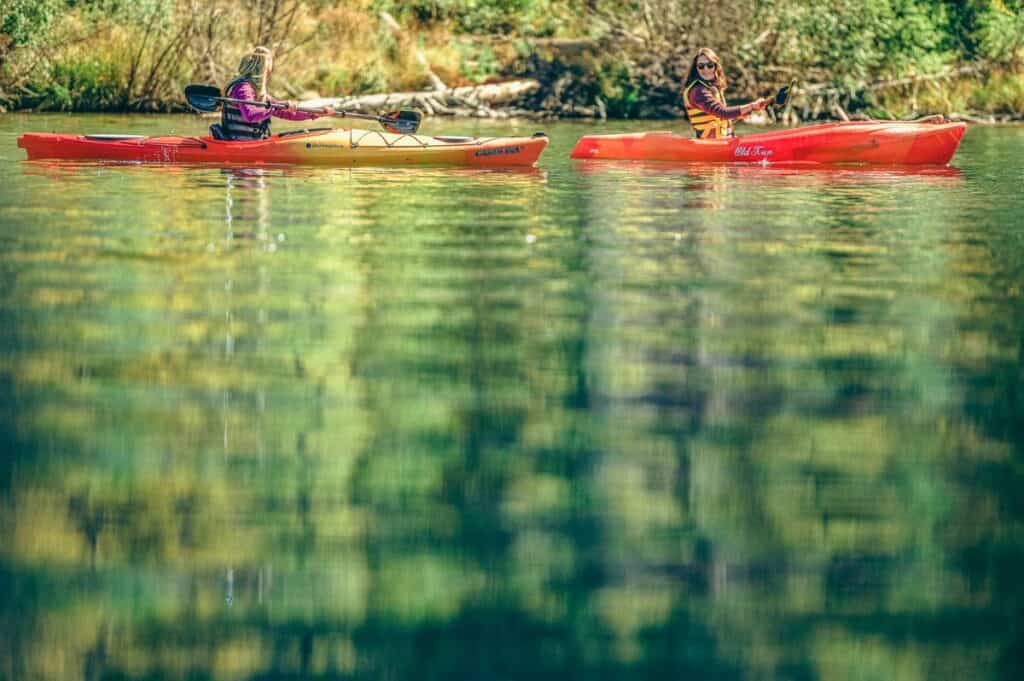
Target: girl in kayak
point(705, 101)
point(249, 122)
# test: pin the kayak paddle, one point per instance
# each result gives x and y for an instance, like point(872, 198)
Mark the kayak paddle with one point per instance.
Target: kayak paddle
point(783, 95)
point(207, 98)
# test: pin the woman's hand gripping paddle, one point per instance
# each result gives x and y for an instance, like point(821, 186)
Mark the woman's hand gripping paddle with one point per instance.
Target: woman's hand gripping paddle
point(207, 98)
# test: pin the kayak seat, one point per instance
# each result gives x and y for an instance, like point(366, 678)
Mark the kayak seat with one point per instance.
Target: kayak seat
point(113, 138)
point(217, 133)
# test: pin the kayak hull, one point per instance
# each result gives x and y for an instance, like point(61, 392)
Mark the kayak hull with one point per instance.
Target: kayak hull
point(325, 147)
point(870, 142)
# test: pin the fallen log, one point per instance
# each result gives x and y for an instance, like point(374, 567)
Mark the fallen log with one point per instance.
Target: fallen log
point(968, 117)
point(470, 96)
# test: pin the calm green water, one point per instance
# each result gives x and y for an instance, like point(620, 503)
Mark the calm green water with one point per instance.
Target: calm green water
point(580, 422)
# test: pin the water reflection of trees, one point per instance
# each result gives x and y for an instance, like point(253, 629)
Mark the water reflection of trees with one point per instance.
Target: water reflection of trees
point(418, 445)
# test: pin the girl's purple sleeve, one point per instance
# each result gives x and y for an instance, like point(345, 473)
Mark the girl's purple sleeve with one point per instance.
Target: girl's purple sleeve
point(702, 98)
point(292, 115)
point(256, 114)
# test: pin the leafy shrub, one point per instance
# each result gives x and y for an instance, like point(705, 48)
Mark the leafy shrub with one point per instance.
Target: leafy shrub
point(989, 29)
point(619, 90)
point(87, 84)
point(1002, 94)
point(368, 79)
point(26, 22)
point(854, 40)
point(999, 33)
point(476, 62)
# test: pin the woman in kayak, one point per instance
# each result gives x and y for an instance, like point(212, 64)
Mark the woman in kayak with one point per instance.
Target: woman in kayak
point(705, 99)
point(247, 121)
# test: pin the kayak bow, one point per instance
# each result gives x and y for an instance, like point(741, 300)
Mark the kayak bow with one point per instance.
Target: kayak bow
point(876, 142)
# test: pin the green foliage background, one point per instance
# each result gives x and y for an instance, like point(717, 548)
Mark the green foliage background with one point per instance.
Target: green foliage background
point(111, 54)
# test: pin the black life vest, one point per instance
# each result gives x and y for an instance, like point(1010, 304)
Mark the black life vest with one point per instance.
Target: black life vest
point(233, 124)
point(707, 126)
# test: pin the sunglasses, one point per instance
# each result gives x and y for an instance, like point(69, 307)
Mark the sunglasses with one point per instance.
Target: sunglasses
point(706, 65)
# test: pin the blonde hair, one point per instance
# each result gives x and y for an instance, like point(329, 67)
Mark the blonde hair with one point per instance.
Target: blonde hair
point(255, 67)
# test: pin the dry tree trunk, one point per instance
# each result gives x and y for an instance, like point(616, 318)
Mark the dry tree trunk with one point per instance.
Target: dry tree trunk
point(421, 59)
point(272, 22)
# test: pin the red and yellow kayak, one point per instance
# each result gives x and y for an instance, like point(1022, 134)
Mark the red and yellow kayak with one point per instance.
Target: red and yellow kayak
point(878, 142)
point(329, 147)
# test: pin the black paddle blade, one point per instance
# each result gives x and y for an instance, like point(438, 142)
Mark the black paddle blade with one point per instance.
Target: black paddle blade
point(203, 98)
point(404, 122)
point(782, 98)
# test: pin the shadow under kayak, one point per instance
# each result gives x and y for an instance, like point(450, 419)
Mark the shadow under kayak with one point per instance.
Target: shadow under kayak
point(875, 142)
point(329, 147)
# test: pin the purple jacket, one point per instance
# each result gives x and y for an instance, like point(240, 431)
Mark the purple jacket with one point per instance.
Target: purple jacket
point(255, 114)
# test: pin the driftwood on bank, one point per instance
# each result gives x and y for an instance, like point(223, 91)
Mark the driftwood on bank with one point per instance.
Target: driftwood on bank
point(488, 101)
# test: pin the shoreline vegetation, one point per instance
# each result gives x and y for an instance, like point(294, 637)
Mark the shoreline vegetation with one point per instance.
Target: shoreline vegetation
point(550, 59)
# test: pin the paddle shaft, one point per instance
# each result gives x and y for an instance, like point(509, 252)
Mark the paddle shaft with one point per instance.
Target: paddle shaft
point(782, 94)
point(275, 105)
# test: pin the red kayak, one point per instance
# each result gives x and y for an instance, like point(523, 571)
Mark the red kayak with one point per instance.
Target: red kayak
point(333, 147)
point(927, 142)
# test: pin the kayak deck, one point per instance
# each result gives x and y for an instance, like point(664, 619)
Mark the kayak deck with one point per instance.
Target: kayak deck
point(332, 147)
point(872, 142)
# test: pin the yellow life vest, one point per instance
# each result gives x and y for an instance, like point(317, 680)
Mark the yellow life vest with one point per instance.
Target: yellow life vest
point(707, 125)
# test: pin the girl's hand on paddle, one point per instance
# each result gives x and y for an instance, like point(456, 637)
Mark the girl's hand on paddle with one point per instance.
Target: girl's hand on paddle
point(290, 106)
point(760, 104)
point(329, 111)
